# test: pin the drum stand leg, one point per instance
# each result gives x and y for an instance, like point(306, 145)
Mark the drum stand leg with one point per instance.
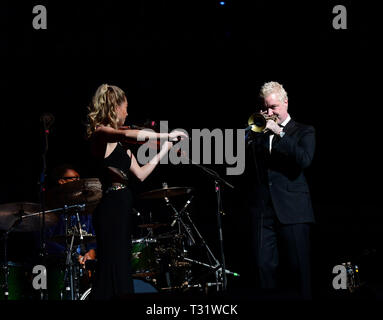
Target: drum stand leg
point(71, 277)
point(5, 267)
point(181, 224)
point(217, 268)
point(68, 277)
point(218, 275)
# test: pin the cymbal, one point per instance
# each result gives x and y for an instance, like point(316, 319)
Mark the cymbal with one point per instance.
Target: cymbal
point(83, 191)
point(153, 225)
point(31, 214)
point(165, 192)
point(61, 239)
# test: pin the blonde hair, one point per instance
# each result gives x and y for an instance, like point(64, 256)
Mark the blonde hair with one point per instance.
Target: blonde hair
point(273, 87)
point(102, 110)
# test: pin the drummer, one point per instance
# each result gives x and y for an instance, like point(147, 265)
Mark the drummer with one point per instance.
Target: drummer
point(62, 174)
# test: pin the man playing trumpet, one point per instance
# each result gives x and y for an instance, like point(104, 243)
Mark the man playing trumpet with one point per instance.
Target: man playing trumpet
point(279, 198)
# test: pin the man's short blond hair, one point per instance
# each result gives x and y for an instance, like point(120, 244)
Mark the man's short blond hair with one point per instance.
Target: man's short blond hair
point(273, 87)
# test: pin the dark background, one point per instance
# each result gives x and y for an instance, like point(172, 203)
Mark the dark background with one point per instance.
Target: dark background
point(198, 64)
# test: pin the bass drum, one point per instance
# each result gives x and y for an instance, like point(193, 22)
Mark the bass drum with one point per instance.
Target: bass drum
point(17, 282)
point(140, 286)
point(144, 256)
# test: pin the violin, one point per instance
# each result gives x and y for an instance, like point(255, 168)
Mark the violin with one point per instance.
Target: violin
point(152, 143)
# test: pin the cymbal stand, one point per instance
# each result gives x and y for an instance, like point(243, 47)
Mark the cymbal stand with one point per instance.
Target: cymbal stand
point(217, 268)
point(5, 266)
point(180, 222)
point(205, 245)
point(217, 187)
point(71, 275)
point(47, 121)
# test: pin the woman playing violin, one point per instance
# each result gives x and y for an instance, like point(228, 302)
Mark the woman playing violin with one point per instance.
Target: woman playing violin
point(111, 219)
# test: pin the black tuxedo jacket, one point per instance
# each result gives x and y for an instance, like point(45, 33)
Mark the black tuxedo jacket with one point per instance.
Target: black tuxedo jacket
point(280, 177)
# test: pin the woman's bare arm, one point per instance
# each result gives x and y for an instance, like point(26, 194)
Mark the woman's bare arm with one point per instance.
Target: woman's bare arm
point(143, 172)
point(110, 135)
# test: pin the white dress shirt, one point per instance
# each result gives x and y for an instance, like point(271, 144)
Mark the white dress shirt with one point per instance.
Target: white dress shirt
point(283, 124)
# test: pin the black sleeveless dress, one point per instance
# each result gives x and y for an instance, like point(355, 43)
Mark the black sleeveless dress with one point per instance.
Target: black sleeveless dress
point(111, 221)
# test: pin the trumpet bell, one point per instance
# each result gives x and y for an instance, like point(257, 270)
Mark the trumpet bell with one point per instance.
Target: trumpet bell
point(257, 122)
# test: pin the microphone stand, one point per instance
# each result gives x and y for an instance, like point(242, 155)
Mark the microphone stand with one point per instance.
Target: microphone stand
point(44, 118)
point(217, 187)
point(252, 145)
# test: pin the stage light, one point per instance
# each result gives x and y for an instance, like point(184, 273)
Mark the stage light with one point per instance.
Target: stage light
point(222, 3)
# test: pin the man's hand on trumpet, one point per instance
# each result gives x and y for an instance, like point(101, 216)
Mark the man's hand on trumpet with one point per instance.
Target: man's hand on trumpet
point(271, 124)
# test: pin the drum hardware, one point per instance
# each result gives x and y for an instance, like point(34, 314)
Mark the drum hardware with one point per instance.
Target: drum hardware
point(175, 258)
point(17, 281)
point(162, 236)
point(154, 225)
point(19, 217)
point(353, 281)
point(180, 238)
point(30, 216)
point(178, 219)
point(165, 192)
point(144, 240)
point(86, 238)
point(216, 269)
point(6, 266)
point(47, 120)
point(72, 266)
point(70, 276)
point(165, 258)
point(144, 258)
point(84, 191)
point(221, 278)
point(23, 217)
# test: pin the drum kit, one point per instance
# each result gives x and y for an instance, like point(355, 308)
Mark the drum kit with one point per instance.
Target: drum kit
point(64, 274)
point(161, 259)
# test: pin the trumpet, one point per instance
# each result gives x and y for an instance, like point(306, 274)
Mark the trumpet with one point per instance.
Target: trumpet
point(257, 122)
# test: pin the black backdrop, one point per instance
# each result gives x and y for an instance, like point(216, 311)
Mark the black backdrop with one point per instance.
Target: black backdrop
point(201, 65)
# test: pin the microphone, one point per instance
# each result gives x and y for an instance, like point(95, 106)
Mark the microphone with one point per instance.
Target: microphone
point(47, 119)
